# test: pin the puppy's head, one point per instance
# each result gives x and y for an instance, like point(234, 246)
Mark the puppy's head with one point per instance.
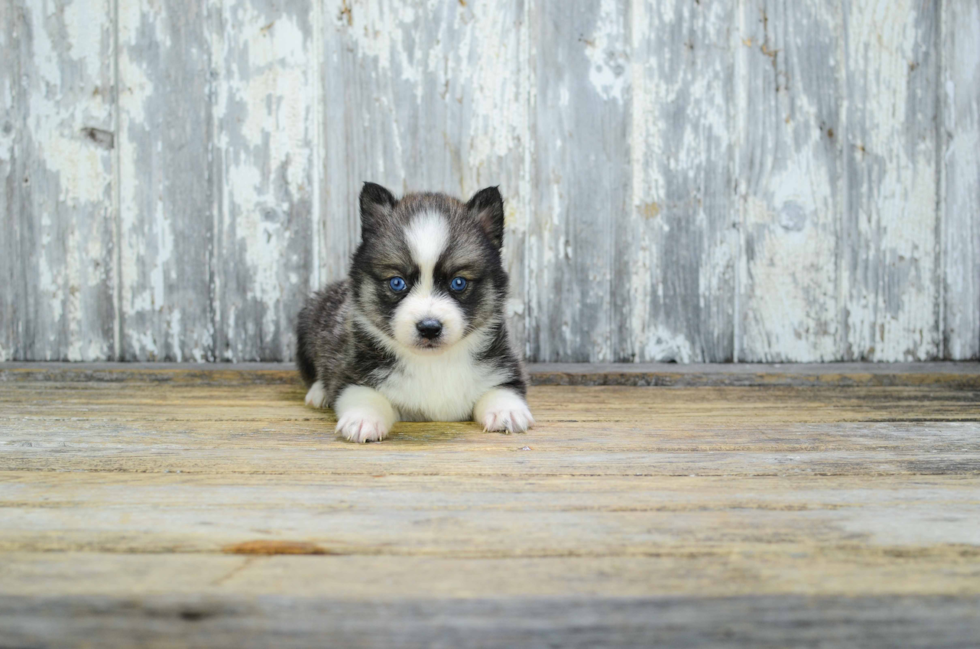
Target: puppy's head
point(428, 271)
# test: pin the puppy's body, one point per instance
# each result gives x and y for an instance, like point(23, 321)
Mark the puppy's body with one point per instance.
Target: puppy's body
point(417, 331)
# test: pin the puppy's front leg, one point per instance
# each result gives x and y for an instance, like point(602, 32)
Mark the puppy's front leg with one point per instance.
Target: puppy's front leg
point(504, 410)
point(363, 414)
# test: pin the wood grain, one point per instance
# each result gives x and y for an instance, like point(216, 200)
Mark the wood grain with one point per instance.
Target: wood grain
point(283, 621)
point(692, 182)
point(265, 118)
point(960, 141)
point(889, 230)
point(789, 171)
point(674, 283)
point(210, 510)
point(623, 472)
point(165, 181)
point(581, 177)
point(12, 276)
point(57, 210)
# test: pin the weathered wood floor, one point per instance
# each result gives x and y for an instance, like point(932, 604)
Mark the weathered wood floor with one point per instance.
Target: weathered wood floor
point(187, 508)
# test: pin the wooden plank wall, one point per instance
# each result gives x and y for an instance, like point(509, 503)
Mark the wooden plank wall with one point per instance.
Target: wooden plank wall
point(686, 181)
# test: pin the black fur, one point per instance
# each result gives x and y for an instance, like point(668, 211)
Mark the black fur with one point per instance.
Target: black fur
point(487, 206)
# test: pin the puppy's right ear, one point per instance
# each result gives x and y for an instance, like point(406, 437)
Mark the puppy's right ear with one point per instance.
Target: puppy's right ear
point(376, 206)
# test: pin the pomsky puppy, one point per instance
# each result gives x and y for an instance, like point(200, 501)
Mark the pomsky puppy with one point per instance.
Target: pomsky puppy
point(416, 332)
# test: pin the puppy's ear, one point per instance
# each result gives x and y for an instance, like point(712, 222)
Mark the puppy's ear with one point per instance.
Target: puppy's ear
point(376, 206)
point(487, 207)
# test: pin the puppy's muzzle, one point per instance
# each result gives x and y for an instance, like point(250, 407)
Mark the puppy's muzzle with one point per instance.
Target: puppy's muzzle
point(430, 328)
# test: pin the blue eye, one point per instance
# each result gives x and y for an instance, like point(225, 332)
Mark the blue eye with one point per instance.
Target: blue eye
point(458, 284)
point(397, 284)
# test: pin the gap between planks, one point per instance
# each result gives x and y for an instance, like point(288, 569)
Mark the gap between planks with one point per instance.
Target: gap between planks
point(950, 374)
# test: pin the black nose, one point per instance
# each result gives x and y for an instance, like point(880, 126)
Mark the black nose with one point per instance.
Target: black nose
point(429, 328)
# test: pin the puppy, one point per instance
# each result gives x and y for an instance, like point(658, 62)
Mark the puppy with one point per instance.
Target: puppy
point(416, 332)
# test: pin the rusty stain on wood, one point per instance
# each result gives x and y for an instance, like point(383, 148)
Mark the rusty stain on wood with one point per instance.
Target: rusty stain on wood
point(650, 210)
point(345, 12)
point(273, 547)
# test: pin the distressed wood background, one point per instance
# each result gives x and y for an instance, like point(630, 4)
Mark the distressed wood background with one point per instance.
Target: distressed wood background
point(689, 180)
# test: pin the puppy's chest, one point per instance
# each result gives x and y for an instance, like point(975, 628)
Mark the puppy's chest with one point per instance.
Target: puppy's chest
point(438, 389)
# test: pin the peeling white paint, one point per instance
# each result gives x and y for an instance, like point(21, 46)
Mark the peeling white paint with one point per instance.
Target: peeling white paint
point(680, 279)
point(892, 306)
point(790, 304)
point(378, 31)
point(960, 192)
point(666, 345)
point(790, 307)
point(657, 108)
point(163, 176)
point(175, 332)
point(265, 126)
point(64, 184)
point(487, 65)
point(606, 49)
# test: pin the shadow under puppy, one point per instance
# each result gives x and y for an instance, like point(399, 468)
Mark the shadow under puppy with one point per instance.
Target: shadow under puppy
point(416, 332)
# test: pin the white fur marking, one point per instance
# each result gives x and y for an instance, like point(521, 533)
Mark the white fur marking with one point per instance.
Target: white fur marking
point(363, 414)
point(427, 235)
point(436, 386)
point(503, 410)
point(317, 396)
point(417, 307)
point(441, 387)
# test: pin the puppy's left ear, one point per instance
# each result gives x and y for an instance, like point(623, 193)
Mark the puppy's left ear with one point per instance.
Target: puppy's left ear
point(487, 207)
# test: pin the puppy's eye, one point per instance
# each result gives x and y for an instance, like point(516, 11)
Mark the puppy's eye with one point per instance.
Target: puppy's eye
point(458, 284)
point(397, 284)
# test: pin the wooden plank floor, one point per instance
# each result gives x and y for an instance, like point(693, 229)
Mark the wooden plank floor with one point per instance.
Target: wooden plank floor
point(213, 509)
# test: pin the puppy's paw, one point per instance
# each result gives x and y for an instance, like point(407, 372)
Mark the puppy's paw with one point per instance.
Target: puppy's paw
point(362, 426)
point(504, 411)
point(363, 414)
point(316, 397)
point(508, 421)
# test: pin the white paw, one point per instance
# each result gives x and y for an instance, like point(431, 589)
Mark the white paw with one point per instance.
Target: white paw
point(317, 396)
point(362, 426)
point(363, 414)
point(503, 410)
point(508, 421)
